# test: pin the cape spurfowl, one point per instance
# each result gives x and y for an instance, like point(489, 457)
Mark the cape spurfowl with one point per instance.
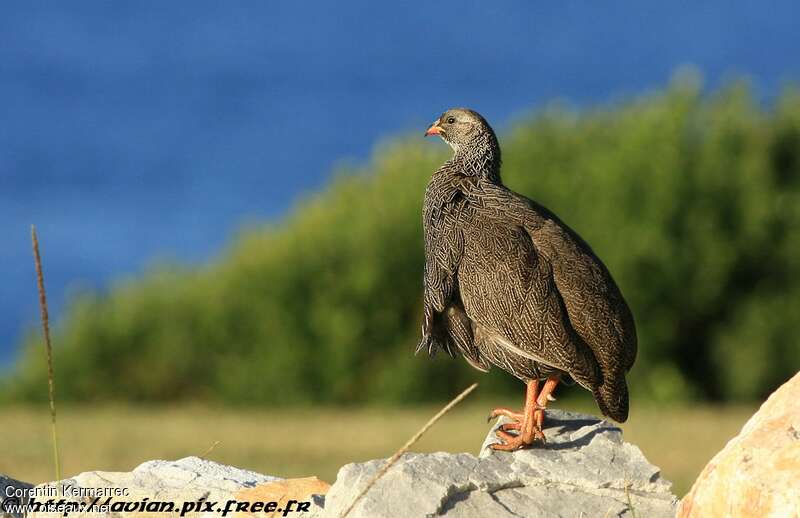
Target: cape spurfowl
point(509, 284)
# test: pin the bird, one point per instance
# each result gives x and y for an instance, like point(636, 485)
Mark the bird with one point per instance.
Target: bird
point(509, 284)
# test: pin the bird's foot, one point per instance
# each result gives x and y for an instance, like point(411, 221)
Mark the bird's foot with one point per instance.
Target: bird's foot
point(528, 423)
point(516, 416)
point(528, 431)
point(518, 441)
point(514, 425)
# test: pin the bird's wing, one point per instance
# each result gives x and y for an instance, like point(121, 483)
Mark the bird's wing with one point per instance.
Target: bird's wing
point(594, 305)
point(508, 290)
point(441, 218)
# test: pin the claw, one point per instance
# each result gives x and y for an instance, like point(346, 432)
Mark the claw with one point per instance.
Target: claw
point(526, 424)
point(510, 426)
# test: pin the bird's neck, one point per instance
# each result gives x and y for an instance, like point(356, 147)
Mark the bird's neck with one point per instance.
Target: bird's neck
point(480, 159)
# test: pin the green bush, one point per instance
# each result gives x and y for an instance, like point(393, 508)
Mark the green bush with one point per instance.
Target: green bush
point(692, 200)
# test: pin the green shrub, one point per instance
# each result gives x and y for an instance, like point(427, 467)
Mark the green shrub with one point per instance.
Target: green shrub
point(693, 202)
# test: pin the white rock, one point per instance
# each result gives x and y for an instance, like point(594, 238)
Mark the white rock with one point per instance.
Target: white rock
point(186, 480)
point(585, 469)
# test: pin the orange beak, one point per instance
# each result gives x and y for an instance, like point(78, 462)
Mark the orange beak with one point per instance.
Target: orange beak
point(434, 130)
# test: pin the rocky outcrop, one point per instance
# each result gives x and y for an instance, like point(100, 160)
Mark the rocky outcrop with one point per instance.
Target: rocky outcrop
point(585, 469)
point(194, 485)
point(758, 471)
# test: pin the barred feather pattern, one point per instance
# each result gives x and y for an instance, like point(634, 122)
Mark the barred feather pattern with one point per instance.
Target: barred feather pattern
point(509, 284)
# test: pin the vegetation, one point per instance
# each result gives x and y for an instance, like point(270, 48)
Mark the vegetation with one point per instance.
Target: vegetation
point(692, 200)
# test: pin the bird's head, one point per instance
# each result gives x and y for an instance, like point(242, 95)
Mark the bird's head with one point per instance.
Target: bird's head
point(462, 128)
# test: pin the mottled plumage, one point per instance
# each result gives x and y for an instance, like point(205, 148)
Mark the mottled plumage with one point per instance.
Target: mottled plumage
point(509, 284)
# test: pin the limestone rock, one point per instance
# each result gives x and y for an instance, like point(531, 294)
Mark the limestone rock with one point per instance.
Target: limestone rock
point(189, 481)
point(758, 471)
point(585, 469)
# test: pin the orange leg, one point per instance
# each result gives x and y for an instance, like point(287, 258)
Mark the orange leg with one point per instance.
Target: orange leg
point(544, 397)
point(525, 423)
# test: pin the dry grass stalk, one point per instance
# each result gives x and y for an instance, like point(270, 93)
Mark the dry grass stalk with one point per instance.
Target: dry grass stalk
point(408, 445)
point(49, 348)
point(628, 496)
point(209, 450)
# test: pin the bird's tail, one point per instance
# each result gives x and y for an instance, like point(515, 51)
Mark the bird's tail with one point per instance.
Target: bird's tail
point(612, 397)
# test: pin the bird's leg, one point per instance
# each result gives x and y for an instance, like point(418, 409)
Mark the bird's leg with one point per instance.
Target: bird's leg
point(544, 396)
point(531, 392)
point(525, 423)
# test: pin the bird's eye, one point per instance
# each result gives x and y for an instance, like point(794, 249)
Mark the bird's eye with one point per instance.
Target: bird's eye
point(451, 120)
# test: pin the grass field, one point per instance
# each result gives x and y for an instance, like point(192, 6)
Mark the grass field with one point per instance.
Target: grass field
point(315, 441)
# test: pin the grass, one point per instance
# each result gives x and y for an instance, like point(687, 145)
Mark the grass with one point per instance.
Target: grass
point(293, 443)
point(37, 261)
